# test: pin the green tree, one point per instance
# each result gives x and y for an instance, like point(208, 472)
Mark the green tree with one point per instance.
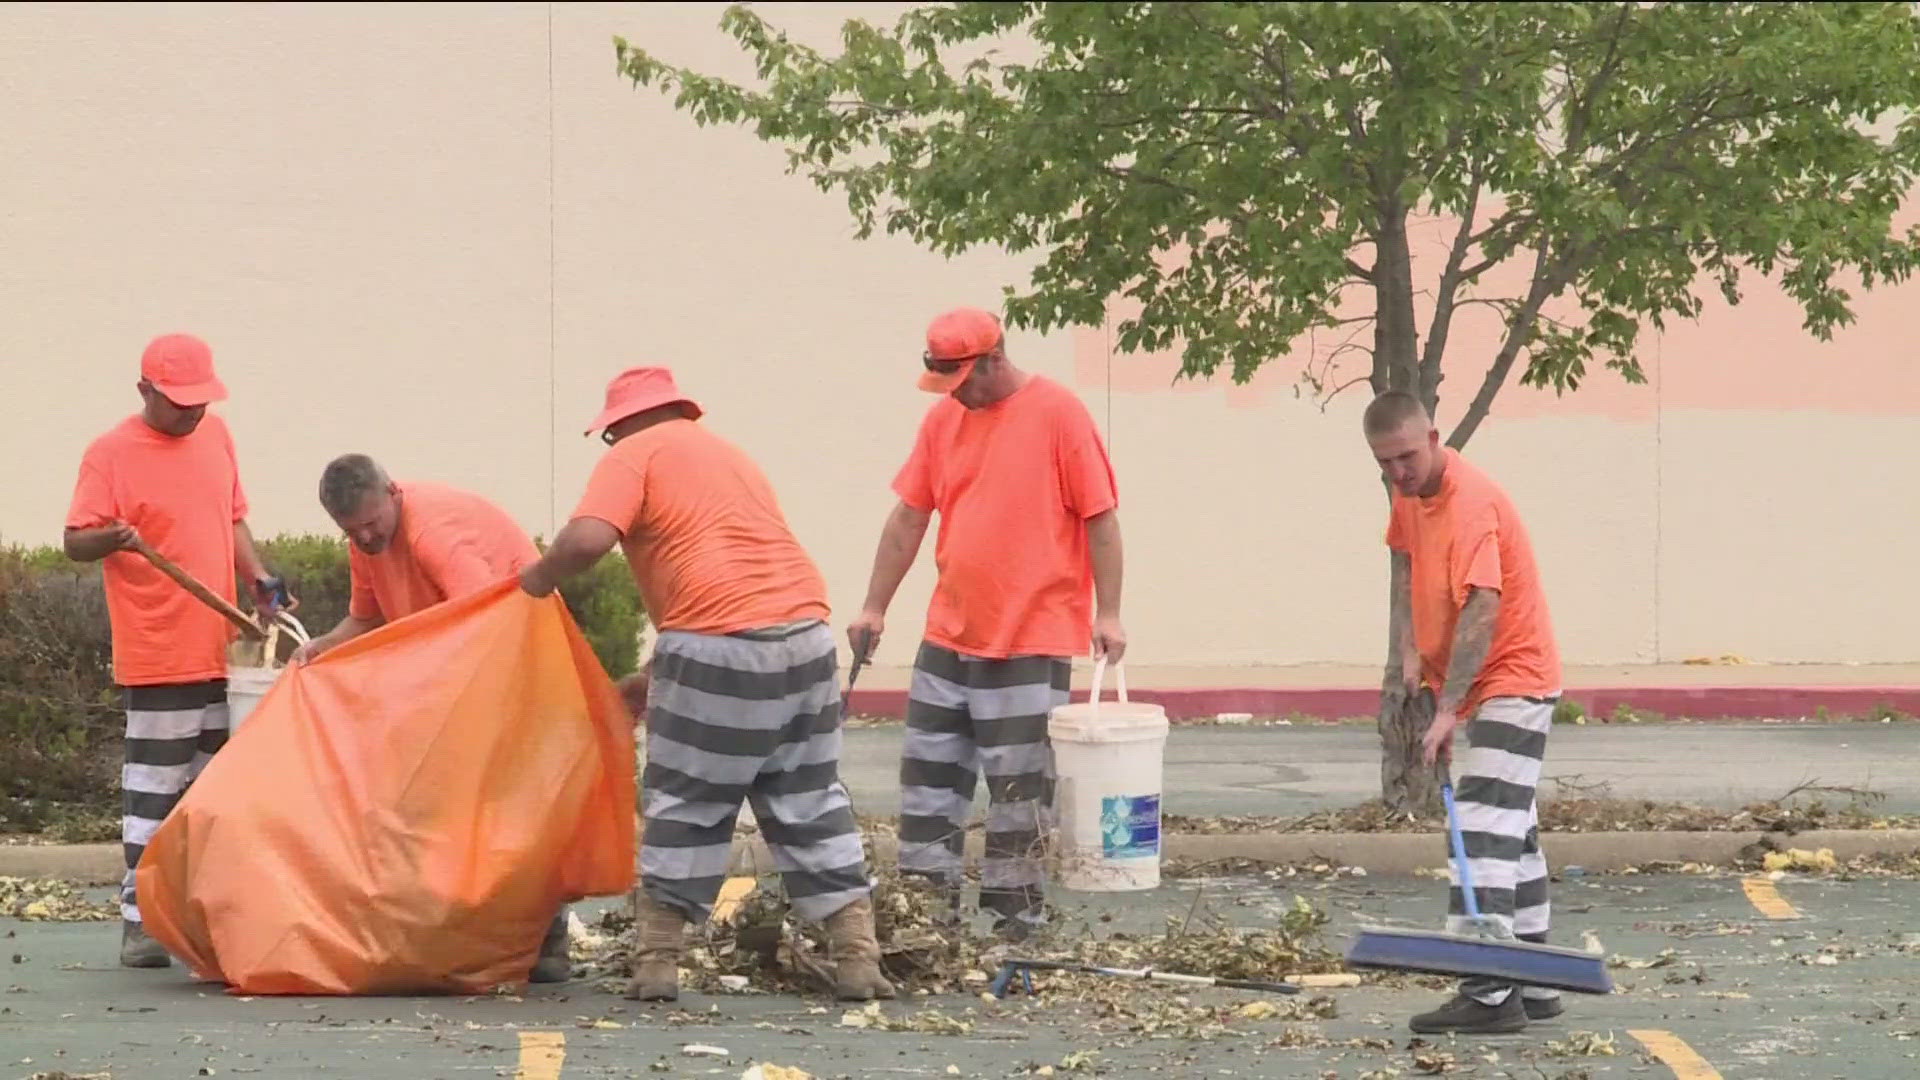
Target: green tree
point(1246, 173)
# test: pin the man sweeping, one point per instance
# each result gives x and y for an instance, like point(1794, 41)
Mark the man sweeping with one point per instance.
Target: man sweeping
point(166, 476)
point(1470, 625)
point(1029, 566)
point(415, 545)
point(743, 698)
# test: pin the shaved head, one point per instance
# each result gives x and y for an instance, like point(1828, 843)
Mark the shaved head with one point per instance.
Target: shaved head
point(1405, 443)
point(1391, 411)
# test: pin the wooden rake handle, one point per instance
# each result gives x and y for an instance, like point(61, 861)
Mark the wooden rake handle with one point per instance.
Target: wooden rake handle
point(200, 592)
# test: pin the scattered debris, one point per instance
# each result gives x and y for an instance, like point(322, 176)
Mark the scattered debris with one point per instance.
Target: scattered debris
point(766, 1071)
point(927, 1022)
point(697, 1050)
point(1798, 859)
point(52, 900)
point(926, 950)
point(1583, 1044)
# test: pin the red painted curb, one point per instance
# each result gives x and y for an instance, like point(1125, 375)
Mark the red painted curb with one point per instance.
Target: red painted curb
point(1334, 703)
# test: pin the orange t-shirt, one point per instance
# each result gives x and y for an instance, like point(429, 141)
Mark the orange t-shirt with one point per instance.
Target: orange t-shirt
point(703, 533)
point(1468, 535)
point(183, 496)
point(1014, 484)
point(449, 543)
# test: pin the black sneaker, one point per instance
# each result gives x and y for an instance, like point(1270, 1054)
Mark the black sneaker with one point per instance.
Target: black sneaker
point(1465, 1016)
point(1542, 1008)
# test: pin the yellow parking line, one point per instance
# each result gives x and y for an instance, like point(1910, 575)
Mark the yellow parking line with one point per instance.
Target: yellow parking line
point(1767, 899)
point(541, 1055)
point(1676, 1055)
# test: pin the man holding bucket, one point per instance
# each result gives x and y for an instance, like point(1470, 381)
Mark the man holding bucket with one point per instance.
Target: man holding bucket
point(1471, 625)
point(743, 699)
point(1029, 565)
point(168, 477)
point(415, 545)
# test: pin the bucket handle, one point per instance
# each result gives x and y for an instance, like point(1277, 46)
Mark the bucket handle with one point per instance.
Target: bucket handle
point(1099, 675)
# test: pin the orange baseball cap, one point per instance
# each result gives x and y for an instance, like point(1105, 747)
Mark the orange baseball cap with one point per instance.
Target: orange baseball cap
point(636, 390)
point(964, 335)
point(180, 366)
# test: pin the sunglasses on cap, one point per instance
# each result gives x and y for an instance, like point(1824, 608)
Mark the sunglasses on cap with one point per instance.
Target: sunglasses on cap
point(951, 365)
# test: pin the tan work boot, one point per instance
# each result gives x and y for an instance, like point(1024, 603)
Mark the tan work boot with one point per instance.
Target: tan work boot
point(856, 955)
point(658, 931)
point(137, 950)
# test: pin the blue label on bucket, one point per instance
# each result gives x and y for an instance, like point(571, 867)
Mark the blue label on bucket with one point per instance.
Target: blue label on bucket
point(1130, 826)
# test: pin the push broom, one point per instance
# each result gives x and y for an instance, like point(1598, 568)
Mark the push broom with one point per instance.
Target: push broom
point(1484, 948)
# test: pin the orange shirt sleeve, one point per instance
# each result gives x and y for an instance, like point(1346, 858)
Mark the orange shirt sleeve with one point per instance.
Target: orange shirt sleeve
point(93, 503)
point(1476, 556)
point(1086, 473)
point(914, 483)
point(453, 560)
point(361, 602)
point(616, 492)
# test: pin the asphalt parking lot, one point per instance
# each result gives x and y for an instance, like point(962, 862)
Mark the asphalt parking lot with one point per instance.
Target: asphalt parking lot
point(1717, 976)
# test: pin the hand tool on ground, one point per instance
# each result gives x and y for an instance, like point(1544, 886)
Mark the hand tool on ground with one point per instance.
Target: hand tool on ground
point(1483, 948)
point(200, 592)
point(1003, 982)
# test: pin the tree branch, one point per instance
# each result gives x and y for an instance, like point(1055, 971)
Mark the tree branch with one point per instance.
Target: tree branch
point(1448, 289)
point(1549, 277)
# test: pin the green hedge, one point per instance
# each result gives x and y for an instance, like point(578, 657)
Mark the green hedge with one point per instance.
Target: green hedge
point(60, 722)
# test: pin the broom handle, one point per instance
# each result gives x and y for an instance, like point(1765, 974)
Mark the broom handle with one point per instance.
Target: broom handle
point(200, 592)
point(1459, 851)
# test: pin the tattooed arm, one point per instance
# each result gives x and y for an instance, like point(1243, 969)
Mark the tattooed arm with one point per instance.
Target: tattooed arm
point(1472, 637)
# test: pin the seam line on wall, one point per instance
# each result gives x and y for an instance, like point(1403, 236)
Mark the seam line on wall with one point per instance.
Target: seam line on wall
point(553, 398)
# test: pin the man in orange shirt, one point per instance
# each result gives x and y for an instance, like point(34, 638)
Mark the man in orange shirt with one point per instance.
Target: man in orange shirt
point(1470, 624)
point(415, 545)
point(1029, 542)
point(168, 476)
point(742, 700)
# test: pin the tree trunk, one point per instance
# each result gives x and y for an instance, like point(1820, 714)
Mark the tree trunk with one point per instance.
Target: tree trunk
point(1407, 785)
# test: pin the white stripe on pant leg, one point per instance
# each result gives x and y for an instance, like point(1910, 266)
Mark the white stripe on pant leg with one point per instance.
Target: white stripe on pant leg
point(153, 779)
point(1481, 818)
point(938, 747)
point(930, 689)
point(1500, 765)
point(156, 725)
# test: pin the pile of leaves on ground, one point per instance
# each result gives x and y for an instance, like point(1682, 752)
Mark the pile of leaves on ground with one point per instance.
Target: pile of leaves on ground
point(52, 900)
point(1570, 807)
point(926, 950)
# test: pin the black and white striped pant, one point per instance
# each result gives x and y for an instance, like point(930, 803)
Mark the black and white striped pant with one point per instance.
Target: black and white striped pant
point(172, 732)
point(967, 716)
point(753, 716)
point(1494, 793)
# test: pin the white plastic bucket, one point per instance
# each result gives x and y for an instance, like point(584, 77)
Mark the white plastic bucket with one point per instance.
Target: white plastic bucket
point(1107, 763)
point(247, 685)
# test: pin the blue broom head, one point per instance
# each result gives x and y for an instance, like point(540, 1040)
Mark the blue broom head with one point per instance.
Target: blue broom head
point(1437, 953)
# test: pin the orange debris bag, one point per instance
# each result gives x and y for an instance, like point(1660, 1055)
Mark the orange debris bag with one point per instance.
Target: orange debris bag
point(405, 814)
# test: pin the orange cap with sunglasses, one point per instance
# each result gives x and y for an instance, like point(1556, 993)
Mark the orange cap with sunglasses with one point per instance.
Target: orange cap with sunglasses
point(954, 341)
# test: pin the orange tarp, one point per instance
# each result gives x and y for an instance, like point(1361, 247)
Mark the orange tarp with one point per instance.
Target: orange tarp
point(405, 814)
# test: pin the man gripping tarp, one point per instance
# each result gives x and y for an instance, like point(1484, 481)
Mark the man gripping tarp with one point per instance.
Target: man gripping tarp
point(416, 545)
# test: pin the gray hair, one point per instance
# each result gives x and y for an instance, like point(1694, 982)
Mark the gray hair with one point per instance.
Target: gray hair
point(348, 479)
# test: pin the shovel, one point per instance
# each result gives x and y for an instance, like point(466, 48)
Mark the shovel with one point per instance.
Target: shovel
point(200, 592)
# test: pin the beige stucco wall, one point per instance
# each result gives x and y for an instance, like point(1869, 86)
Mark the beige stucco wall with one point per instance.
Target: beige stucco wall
point(430, 233)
